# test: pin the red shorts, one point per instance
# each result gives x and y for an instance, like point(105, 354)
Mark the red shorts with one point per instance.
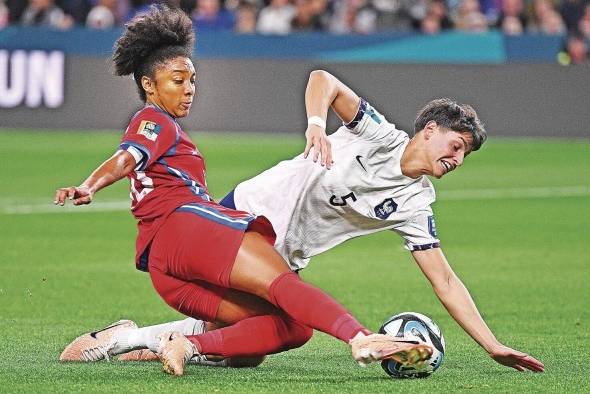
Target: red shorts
point(193, 252)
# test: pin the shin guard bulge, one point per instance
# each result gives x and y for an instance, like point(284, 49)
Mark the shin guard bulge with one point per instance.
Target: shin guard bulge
point(311, 306)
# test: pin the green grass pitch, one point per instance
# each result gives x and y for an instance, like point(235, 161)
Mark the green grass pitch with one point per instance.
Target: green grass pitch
point(514, 223)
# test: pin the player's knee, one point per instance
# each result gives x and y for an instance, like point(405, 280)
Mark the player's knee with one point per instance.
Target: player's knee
point(303, 336)
point(299, 335)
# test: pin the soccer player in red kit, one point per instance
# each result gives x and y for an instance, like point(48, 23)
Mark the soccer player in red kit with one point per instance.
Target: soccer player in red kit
point(205, 260)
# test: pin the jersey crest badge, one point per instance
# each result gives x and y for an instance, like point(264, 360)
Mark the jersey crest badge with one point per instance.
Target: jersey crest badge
point(386, 208)
point(149, 129)
point(431, 226)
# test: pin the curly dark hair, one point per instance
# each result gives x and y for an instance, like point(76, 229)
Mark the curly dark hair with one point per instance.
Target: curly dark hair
point(150, 39)
point(447, 113)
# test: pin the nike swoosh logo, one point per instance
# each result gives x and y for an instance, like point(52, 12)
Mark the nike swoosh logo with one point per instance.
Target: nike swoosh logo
point(358, 158)
point(93, 334)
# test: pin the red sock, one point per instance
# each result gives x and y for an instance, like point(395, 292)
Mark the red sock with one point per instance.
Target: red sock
point(312, 307)
point(255, 336)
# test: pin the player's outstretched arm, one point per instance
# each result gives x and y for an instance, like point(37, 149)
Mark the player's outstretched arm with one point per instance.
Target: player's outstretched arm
point(457, 300)
point(324, 91)
point(109, 172)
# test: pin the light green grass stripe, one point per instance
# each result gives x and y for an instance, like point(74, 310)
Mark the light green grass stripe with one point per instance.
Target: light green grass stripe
point(515, 193)
point(9, 207)
point(103, 206)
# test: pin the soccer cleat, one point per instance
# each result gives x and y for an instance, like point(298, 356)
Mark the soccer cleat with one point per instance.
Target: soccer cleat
point(96, 345)
point(197, 359)
point(139, 355)
point(175, 350)
point(375, 347)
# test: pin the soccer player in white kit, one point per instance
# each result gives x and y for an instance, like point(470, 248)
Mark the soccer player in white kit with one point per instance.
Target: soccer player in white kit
point(372, 177)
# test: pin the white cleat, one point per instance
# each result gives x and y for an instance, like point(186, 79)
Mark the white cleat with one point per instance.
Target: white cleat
point(175, 350)
point(96, 345)
point(375, 347)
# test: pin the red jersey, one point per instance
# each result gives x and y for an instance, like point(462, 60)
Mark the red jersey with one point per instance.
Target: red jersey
point(170, 173)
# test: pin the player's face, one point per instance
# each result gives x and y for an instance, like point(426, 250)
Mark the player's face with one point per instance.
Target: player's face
point(174, 87)
point(445, 150)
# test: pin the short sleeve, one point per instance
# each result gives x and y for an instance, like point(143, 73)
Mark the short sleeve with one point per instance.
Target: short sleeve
point(419, 232)
point(148, 137)
point(369, 123)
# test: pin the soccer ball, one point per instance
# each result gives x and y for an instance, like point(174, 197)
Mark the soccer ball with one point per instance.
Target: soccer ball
point(414, 327)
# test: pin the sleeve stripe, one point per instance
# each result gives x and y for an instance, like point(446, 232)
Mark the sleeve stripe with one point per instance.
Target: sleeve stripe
point(426, 246)
point(359, 115)
point(139, 153)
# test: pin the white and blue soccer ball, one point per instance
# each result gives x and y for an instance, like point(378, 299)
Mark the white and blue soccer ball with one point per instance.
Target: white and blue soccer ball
point(414, 327)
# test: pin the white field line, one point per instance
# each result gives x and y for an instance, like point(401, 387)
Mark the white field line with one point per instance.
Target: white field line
point(101, 206)
point(12, 207)
point(515, 193)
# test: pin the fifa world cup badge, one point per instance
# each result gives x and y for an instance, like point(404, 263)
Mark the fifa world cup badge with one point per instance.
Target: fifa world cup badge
point(386, 208)
point(149, 129)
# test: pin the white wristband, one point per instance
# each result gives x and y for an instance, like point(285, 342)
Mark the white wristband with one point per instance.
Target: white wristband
point(316, 120)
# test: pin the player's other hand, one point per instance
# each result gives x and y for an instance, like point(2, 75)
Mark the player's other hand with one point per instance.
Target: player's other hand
point(79, 195)
point(515, 359)
point(318, 140)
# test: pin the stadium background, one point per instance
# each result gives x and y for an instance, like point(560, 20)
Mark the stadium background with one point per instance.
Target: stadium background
point(514, 220)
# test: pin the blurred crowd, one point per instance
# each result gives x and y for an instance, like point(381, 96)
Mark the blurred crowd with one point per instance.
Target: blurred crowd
point(570, 18)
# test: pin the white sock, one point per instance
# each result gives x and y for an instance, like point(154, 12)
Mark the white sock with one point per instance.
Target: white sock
point(147, 337)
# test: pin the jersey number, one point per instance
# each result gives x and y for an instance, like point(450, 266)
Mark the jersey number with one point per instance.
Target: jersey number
point(334, 200)
point(146, 182)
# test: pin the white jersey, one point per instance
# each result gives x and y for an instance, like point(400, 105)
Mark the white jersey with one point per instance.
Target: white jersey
point(313, 209)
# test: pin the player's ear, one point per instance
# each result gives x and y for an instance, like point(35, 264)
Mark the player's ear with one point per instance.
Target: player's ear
point(430, 129)
point(147, 84)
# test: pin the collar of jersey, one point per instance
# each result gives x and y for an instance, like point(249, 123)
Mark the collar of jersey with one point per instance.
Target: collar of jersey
point(155, 107)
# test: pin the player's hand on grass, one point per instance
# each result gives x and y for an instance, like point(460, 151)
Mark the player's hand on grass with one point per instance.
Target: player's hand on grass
point(79, 195)
point(318, 140)
point(515, 359)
